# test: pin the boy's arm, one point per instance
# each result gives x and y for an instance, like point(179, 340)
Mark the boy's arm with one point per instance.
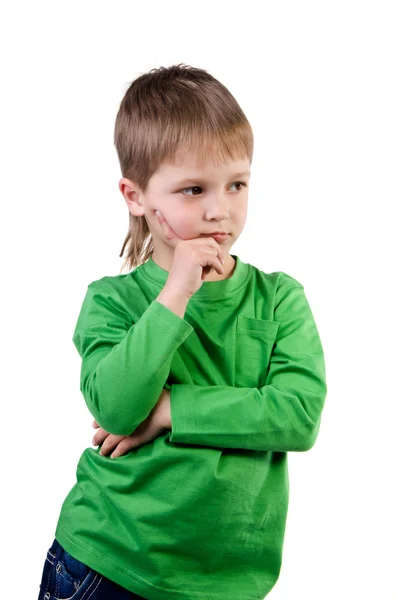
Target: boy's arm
point(282, 415)
point(122, 374)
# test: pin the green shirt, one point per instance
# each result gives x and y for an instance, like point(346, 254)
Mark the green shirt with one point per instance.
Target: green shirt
point(200, 511)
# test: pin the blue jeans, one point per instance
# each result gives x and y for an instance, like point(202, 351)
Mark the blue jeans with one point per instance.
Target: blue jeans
point(66, 577)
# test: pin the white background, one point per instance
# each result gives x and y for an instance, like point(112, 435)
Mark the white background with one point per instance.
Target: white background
point(317, 81)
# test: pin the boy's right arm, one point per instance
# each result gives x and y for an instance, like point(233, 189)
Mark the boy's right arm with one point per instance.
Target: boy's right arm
point(173, 301)
point(125, 366)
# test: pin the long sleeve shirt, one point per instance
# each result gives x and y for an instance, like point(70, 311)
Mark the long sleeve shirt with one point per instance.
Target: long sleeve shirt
point(200, 511)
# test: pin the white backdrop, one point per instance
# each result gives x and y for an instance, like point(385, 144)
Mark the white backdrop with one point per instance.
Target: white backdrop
point(317, 81)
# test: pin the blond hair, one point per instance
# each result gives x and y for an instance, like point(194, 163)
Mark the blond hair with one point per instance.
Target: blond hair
point(167, 111)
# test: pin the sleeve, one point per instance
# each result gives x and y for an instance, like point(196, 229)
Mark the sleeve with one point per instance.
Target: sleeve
point(282, 415)
point(124, 366)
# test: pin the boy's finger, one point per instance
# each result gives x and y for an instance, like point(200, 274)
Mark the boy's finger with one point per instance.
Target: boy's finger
point(170, 234)
point(123, 447)
point(99, 438)
point(108, 441)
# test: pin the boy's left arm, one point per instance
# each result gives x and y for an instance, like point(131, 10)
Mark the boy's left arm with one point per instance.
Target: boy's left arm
point(283, 415)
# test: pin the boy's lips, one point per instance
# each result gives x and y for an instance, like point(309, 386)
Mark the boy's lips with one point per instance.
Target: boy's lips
point(214, 233)
point(219, 237)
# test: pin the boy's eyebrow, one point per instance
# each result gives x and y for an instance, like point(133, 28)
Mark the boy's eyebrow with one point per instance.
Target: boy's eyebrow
point(189, 179)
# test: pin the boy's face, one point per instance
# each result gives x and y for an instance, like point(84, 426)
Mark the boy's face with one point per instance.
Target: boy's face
point(193, 201)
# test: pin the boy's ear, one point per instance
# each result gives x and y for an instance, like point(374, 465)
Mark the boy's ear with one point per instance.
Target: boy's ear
point(132, 196)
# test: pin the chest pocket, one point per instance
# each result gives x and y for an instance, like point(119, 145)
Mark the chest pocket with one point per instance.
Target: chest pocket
point(255, 339)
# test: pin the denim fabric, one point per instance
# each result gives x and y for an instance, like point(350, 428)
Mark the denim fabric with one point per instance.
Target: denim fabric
point(65, 577)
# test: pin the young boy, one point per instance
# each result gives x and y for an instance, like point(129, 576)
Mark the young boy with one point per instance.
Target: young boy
point(201, 374)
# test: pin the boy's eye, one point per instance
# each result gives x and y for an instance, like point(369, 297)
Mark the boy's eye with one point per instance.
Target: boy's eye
point(197, 187)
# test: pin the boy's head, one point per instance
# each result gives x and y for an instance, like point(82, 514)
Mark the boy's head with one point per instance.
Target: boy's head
point(184, 144)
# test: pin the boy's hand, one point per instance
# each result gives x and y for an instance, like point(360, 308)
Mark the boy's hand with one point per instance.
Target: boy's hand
point(192, 260)
point(158, 420)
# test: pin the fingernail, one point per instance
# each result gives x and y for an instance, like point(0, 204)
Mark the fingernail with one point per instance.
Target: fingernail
point(222, 261)
point(112, 456)
point(158, 213)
